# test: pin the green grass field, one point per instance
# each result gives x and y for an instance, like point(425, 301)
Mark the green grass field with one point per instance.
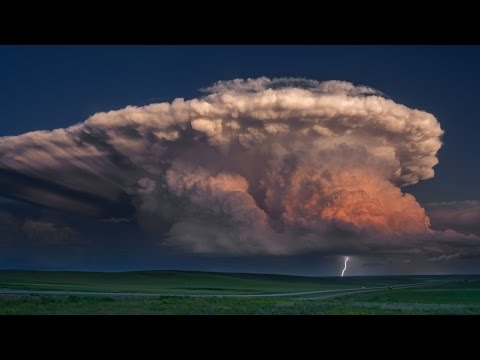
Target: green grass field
point(456, 295)
point(179, 282)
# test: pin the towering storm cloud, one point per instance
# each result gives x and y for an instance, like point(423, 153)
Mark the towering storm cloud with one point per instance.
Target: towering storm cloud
point(275, 166)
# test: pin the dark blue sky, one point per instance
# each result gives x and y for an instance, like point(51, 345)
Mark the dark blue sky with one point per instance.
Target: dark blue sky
point(47, 87)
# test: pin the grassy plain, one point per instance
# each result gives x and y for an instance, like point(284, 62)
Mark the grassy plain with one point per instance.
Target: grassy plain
point(456, 295)
point(180, 282)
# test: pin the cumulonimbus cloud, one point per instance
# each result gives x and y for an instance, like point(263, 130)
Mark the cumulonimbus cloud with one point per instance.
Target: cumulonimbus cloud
point(253, 166)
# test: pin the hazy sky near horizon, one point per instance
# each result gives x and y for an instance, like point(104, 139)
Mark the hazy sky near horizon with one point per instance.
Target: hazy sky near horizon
point(304, 159)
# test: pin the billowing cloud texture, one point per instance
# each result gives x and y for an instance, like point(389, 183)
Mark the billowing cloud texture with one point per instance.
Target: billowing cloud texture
point(275, 166)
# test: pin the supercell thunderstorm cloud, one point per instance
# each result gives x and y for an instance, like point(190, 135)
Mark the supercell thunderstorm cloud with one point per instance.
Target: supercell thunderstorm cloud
point(258, 166)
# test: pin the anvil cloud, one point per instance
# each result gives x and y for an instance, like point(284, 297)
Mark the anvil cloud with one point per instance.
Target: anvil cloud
point(273, 166)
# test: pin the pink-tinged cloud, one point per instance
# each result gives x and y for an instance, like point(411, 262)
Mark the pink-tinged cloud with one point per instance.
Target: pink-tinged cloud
point(262, 165)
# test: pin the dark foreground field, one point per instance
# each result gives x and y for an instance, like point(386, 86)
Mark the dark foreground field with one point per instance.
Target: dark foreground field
point(172, 292)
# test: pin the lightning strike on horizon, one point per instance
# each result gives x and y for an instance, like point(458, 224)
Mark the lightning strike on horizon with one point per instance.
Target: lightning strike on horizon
point(345, 268)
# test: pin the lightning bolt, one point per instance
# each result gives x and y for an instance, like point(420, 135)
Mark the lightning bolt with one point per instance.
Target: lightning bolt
point(345, 268)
